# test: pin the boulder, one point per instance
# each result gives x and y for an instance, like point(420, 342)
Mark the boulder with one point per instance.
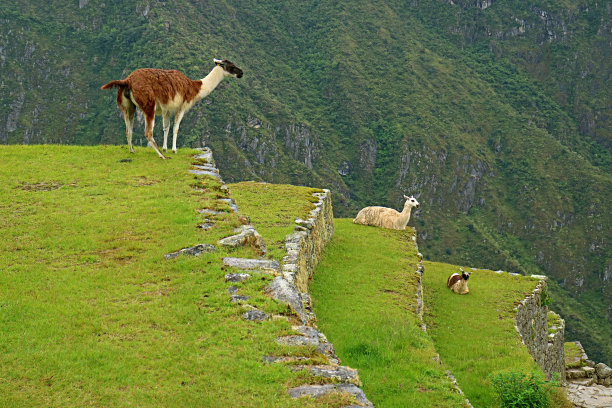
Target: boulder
point(603, 371)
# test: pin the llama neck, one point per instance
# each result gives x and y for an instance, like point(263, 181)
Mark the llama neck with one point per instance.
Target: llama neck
point(210, 82)
point(405, 215)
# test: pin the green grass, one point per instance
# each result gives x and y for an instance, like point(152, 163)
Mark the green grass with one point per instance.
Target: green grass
point(573, 355)
point(475, 333)
point(364, 296)
point(91, 314)
point(270, 207)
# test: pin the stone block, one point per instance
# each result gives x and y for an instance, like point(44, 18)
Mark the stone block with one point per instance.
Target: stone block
point(255, 315)
point(603, 371)
point(251, 264)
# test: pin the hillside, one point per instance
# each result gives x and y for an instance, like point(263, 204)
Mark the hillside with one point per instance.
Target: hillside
point(93, 314)
point(494, 114)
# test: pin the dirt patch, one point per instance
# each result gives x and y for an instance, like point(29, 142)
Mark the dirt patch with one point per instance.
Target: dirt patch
point(41, 186)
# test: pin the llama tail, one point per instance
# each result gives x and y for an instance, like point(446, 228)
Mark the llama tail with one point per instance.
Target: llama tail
point(122, 83)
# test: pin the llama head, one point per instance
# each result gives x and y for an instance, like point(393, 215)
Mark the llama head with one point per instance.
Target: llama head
point(411, 202)
point(464, 274)
point(229, 68)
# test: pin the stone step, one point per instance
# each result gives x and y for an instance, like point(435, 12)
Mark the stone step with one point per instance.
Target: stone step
point(230, 202)
point(206, 173)
point(255, 315)
point(236, 277)
point(321, 347)
point(575, 373)
point(195, 250)
point(251, 264)
point(318, 391)
point(342, 374)
point(245, 235)
point(284, 359)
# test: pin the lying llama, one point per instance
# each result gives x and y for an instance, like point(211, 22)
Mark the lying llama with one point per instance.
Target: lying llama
point(458, 283)
point(387, 217)
point(163, 92)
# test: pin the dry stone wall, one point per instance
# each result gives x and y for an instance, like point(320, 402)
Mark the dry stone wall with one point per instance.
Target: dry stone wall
point(531, 319)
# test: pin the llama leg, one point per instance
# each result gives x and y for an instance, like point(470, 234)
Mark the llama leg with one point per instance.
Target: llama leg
point(166, 124)
point(129, 125)
point(177, 122)
point(129, 109)
point(149, 124)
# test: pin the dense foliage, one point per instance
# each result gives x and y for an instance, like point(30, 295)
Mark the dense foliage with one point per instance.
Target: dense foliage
point(495, 114)
point(520, 390)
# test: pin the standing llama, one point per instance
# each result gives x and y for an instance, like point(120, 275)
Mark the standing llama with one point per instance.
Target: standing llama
point(164, 92)
point(387, 217)
point(458, 283)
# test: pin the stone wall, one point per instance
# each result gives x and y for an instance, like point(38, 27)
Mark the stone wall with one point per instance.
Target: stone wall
point(531, 318)
point(305, 244)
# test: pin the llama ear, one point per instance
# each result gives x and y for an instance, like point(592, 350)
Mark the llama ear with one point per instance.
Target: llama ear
point(218, 62)
point(406, 197)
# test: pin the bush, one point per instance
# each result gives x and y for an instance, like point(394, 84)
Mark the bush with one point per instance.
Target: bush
point(520, 390)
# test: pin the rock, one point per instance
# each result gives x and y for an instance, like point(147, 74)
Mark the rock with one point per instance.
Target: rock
point(196, 250)
point(209, 211)
point(594, 396)
point(589, 371)
point(294, 340)
point(255, 315)
point(283, 359)
point(575, 373)
point(206, 226)
point(207, 173)
point(206, 155)
point(340, 373)
point(236, 277)
point(317, 391)
point(246, 236)
point(231, 203)
point(285, 292)
point(238, 298)
point(232, 289)
point(251, 264)
point(603, 371)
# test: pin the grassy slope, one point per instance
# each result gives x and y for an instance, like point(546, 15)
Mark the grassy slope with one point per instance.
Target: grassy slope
point(363, 293)
point(90, 312)
point(541, 202)
point(475, 333)
point(364, 296)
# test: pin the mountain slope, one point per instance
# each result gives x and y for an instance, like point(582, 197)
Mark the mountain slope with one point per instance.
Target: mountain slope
point(495, 115)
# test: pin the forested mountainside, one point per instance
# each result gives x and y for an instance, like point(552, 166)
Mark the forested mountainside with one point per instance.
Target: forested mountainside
point(496, 115)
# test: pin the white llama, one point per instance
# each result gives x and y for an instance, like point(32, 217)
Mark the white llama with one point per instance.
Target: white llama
point(387, 217)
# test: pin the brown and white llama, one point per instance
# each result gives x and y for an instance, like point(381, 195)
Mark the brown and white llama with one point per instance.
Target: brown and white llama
point(165, 92)
point(458, 282)
point(387, 217)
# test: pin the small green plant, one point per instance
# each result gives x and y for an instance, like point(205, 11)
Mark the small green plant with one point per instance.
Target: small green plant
point(546, 299)
point(520, 390)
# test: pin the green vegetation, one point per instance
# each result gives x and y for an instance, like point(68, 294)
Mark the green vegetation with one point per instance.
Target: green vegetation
point(496, 118)
point(363, 292)
point(475, 333)
point(573, 355)
point(91, 314)
point(519, 390)
point(271, 208)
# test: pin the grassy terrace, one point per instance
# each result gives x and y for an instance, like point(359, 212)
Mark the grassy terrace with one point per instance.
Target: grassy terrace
point(91, 314)
point(475, 333)
point(364, 296)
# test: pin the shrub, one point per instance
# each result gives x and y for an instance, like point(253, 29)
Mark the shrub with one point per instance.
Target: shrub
point(520, 390)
